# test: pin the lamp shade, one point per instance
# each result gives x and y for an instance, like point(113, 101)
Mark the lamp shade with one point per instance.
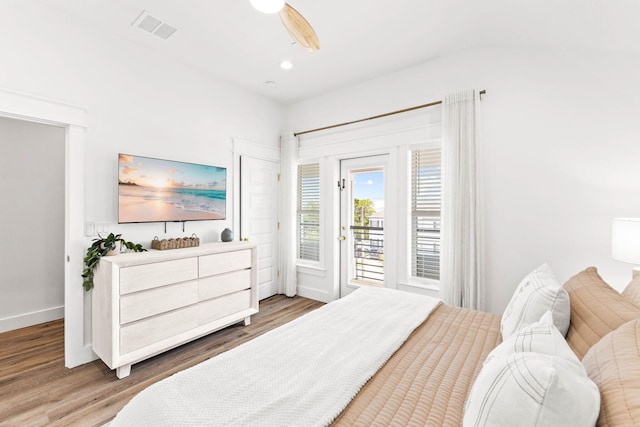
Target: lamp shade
point(267, 6)
point(625, 240)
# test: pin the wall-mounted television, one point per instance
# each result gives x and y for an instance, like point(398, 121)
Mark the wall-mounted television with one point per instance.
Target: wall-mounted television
point(156, 190)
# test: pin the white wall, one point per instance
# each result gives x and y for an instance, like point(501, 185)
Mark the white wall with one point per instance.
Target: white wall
point(560, 150)
point(137, 102)
point(32, 223)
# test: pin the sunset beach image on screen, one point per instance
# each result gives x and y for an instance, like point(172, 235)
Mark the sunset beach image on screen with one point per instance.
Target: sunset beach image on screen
point(156, 190)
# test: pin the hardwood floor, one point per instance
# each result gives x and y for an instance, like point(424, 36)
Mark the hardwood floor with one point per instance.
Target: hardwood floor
point(37, 390)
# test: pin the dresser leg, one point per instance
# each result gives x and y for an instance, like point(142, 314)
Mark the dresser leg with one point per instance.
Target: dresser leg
point(247, 321)
point(123, 371)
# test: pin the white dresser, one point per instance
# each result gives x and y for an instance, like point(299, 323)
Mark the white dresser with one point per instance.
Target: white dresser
point(148, 302)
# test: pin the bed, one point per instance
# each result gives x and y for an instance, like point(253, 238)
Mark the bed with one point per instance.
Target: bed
point(436, 375)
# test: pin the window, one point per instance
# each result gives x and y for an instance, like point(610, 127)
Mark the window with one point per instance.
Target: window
point(308, 212)
point(426, 197)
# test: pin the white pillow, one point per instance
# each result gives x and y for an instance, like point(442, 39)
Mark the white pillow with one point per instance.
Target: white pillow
point(539, 337)
point(532, 389)
point(536, 294)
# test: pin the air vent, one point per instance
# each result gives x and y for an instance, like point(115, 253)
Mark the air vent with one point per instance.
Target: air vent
point(153, 25)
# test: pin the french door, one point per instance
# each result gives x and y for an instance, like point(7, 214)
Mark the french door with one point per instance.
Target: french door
point(362, 222)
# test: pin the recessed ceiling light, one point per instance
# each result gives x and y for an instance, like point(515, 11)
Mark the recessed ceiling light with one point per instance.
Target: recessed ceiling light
point(270, 83)
point(286, 65)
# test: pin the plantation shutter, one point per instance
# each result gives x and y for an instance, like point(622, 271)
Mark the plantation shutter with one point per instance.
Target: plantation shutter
point(426, 198)
point(308, 212)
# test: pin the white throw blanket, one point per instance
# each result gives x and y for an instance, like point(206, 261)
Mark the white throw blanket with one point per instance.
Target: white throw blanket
point(303, 373)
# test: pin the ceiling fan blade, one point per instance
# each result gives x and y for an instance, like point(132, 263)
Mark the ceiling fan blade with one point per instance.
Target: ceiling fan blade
point(299, 29)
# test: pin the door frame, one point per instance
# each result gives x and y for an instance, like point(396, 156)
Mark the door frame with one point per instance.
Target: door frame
point(77, 302)
point(346, 165)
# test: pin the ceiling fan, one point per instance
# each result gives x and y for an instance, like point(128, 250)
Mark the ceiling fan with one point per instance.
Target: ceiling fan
point(297, 27)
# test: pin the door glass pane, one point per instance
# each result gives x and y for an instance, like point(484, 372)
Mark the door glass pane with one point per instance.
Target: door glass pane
point(367, 227)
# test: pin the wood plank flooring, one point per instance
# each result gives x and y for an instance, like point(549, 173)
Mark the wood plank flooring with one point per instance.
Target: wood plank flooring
point(37, 390)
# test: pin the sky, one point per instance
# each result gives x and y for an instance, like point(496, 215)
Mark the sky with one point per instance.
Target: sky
point(149, 172)
point(370, 185)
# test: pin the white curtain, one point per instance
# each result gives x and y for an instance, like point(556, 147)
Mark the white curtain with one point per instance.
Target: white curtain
point(288, 282)
point(462, 247)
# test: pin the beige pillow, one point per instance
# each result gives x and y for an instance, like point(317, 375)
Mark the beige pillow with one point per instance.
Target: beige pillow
point(632, 291)
point(596, 310)
point(614, 365)
point(532, 390)
point(536, 294)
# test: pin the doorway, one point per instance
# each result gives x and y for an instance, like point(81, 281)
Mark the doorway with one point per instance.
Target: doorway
point(77, 348)
point(32, 156)
point(362, 202)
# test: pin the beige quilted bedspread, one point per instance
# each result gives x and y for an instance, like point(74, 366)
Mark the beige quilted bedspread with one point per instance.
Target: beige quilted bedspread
point(426, 382)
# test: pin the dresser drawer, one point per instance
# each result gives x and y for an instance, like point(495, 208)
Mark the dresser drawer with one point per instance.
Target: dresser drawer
point(148, 303)
point(157, 328)
point(146, 276)
point(218, 308)
point(223, 284)
point(224, 262)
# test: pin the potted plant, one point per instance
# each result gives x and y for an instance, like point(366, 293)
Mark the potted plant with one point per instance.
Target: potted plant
point(103, 246)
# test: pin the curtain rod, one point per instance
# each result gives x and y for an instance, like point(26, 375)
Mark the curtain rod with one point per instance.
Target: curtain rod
point(379, 116)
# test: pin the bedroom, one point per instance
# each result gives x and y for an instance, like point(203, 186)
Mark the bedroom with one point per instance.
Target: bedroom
point(559, 123)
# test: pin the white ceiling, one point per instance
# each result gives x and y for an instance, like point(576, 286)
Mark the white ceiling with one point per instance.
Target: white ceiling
point(359, 39)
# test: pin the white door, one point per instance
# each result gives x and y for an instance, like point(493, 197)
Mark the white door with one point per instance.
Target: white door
point(259, 217)
point(362, 222)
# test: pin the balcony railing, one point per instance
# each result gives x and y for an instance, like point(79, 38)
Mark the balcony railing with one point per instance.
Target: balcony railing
point(368, 253)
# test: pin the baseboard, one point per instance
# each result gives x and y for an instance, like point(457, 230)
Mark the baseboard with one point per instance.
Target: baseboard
point(30, 319)
point(314, 294)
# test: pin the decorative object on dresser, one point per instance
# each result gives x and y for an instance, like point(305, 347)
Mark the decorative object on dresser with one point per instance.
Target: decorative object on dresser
point(103, 246)
point(147, 303)
point(226, 235)
point(179, 243)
